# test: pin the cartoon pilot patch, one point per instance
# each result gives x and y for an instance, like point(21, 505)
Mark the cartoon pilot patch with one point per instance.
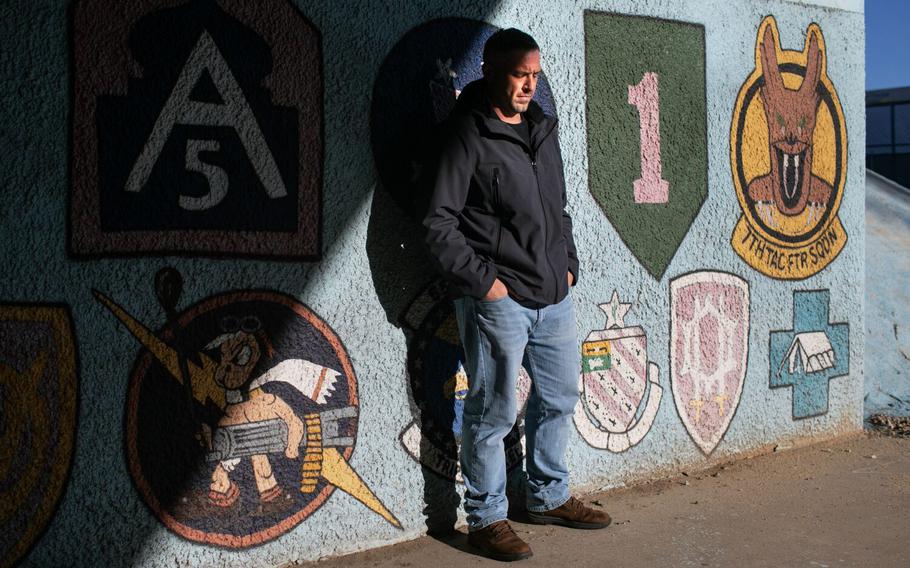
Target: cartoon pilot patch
point(242, 415)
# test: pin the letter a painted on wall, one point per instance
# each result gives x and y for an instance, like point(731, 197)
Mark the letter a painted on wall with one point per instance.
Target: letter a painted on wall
point(788, 155)
point(646, 117)
point(197, 128)
point(709, 351)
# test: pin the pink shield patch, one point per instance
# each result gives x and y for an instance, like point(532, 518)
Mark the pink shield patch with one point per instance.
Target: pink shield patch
point(709, 345)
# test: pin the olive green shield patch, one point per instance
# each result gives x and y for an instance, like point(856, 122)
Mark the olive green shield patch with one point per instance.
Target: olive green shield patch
point(647, 134)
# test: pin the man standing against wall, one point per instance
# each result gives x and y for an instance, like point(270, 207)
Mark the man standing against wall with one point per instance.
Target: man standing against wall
point(498, 229)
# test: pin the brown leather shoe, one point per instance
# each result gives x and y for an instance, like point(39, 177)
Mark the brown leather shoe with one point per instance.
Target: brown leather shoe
point(499, 542)
point(573, 513)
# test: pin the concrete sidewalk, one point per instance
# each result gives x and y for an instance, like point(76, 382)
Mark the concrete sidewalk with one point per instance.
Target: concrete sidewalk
point(835, 504)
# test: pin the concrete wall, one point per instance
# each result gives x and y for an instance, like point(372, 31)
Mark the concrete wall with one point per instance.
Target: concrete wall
point(887, 279)
point(188, 186)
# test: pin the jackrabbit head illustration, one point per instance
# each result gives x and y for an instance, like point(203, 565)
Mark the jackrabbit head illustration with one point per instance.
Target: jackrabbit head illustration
point(791, 118)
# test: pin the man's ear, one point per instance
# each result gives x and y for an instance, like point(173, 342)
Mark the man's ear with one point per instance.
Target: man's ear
point(491, 66)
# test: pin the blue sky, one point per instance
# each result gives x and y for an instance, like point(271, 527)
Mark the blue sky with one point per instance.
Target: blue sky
point(887, 44)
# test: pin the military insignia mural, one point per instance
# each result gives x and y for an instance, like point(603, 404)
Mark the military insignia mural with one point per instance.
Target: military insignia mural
point(709, 348)
point(647, 130)
point(620, 388)
point(197, 129)
point(38, 402)
point(439, 385)
point(788, 154)
point(808, 356)
point(416, 88)
point(242, 415)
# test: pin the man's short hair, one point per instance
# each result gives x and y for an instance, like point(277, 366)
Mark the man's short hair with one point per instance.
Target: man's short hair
point(507, 41)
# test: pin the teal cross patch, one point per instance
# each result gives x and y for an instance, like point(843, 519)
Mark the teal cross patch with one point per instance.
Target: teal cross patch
point(811, 354)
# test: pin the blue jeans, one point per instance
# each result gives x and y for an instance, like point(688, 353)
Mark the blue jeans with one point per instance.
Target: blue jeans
point(499, 336)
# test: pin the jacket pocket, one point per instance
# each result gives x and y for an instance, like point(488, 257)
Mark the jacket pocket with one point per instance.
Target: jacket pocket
point(489, 177)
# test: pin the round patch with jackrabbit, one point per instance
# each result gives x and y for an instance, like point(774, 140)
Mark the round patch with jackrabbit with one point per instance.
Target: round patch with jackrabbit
point(788, 149)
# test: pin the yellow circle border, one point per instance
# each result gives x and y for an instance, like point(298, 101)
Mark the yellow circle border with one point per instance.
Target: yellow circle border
point(799, 58)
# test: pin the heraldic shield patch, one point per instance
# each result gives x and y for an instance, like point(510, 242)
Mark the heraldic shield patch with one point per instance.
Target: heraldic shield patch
point(620, 388)
point(38, 400)
point(241, 416)
point(807, 357)
point(788, 155)
point(709, 352)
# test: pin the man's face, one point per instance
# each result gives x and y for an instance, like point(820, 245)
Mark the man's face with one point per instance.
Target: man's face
point(512, 78)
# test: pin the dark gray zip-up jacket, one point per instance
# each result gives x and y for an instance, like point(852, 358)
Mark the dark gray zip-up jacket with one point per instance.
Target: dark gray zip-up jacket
point(497, 206)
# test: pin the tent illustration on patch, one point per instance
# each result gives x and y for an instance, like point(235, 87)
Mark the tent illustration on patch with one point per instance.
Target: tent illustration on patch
point(810, 352)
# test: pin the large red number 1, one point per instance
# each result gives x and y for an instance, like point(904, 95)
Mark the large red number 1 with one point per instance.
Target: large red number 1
point(650, 187)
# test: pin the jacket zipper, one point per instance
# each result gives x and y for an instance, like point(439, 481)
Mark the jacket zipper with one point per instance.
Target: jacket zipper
point(546, 227)
point(496, 203)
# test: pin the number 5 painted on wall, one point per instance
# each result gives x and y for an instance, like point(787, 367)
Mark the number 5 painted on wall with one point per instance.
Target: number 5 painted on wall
point(650, 187)
point(217, 177)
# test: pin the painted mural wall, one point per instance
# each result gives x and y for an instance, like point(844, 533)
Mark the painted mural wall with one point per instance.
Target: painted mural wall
point(221, 341)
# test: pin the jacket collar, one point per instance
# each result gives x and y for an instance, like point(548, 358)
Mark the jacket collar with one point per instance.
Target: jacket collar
point(475, 100)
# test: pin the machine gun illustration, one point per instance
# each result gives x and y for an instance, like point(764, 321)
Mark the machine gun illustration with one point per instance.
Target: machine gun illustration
point(271, 436)
point(321, 430)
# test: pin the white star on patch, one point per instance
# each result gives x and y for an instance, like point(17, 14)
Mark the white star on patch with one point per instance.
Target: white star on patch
point(615, 311)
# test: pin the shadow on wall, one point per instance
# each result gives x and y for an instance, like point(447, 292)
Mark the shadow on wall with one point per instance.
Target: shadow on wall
point(242, 407)
point(417, 87)
point(415, 90)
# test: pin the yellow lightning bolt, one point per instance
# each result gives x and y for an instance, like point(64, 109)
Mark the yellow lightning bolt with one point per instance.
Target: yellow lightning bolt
point(202, 378)
point(339, 473)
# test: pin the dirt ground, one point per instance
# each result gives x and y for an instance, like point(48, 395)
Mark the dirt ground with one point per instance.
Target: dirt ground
point(835, 504)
